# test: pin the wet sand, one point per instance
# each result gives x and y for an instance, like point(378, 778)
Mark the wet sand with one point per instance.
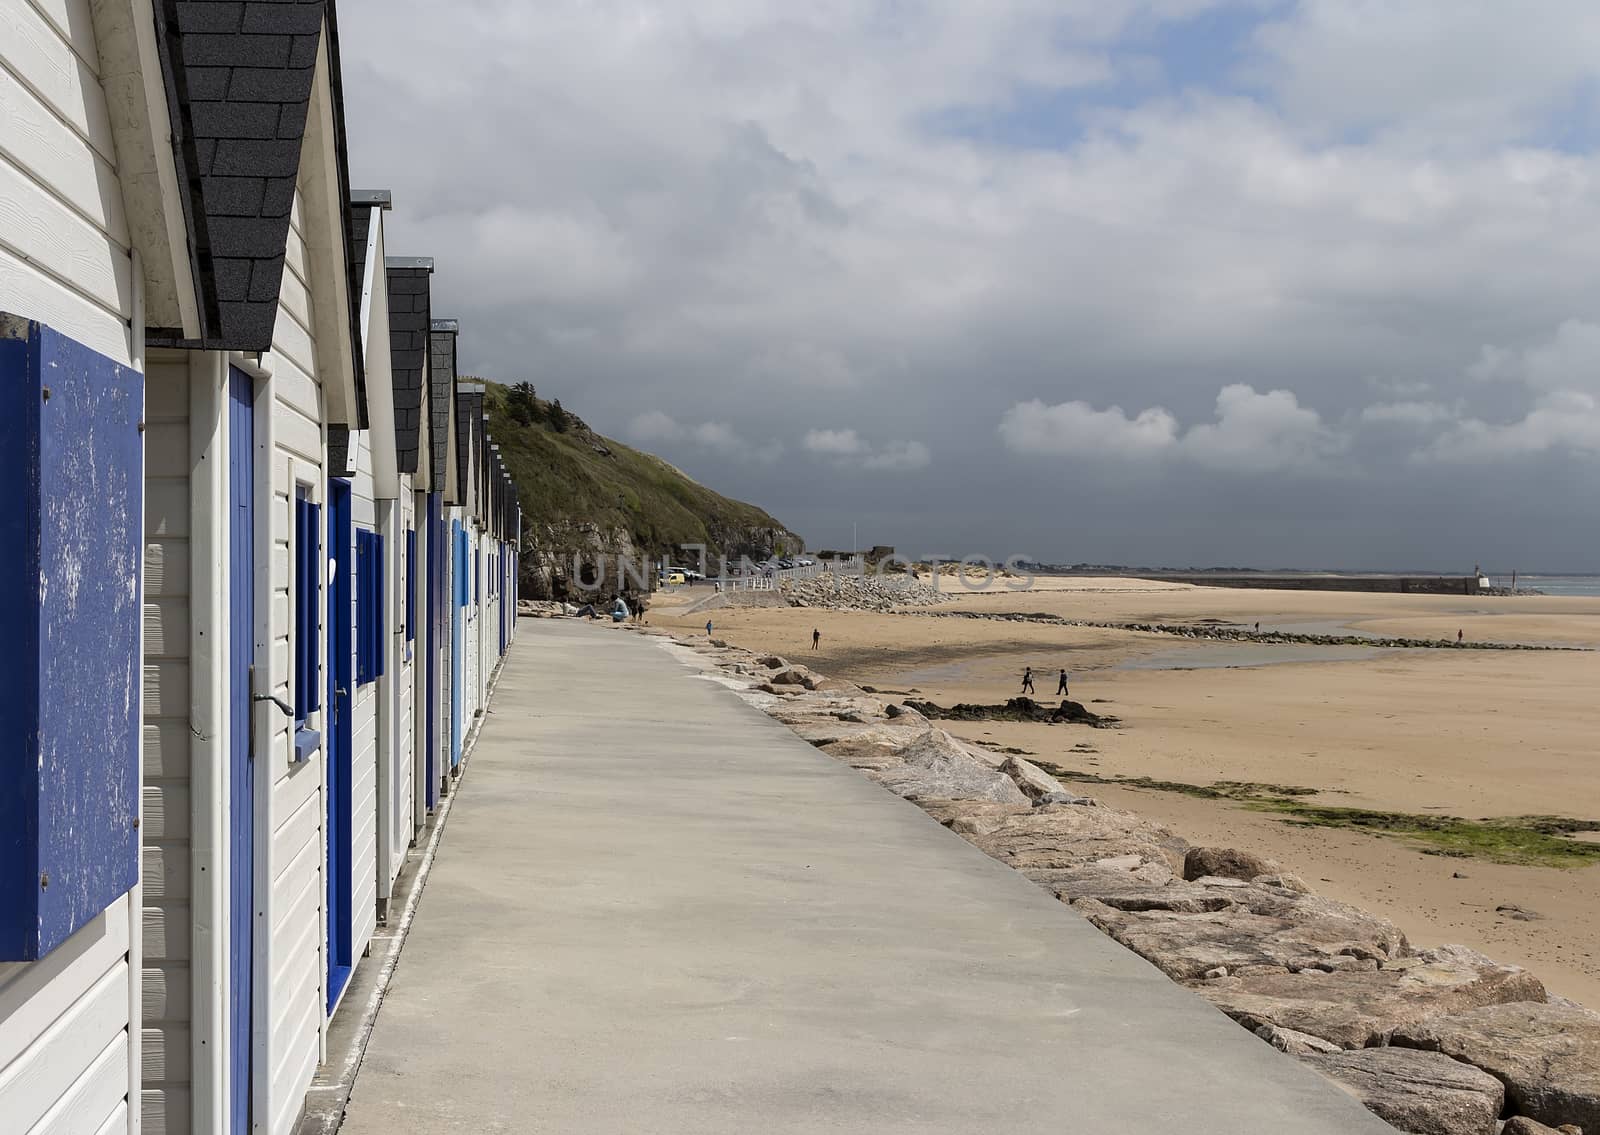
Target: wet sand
point(1468, 733)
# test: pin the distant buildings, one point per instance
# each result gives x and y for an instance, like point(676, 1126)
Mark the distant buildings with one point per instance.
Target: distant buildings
point(260, 566)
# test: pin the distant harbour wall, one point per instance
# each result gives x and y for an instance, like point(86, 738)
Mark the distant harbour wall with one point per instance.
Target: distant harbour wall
point(1397, 584)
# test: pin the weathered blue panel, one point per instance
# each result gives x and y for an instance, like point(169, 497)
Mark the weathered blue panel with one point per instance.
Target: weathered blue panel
point(71, 453)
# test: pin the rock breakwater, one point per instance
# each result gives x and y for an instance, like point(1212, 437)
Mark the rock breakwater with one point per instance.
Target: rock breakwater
point(882, 593)
point(1210, 633)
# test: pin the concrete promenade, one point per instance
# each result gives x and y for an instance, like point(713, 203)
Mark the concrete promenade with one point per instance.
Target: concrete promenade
point(655, 910)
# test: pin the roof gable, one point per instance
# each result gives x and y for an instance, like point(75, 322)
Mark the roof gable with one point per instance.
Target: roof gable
point(239, 78)
point(410, 316)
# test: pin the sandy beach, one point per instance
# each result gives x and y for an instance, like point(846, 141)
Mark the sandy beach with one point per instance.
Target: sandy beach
point(1479, 734)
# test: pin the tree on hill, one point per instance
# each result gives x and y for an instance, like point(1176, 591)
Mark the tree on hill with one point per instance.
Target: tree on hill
point(559, 418)
point(523, 404)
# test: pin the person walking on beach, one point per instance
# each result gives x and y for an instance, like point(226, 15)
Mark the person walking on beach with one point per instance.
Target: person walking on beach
point(1458, 637)
point(708, 628)
point(1027, 679)
point(1258, 626)
point(1061, 686)
point(816, 638)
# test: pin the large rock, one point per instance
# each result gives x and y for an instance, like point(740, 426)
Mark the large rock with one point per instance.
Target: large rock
point(936, 766)
point(1032, 779)
point(1312, 934)
point(1064, 836)
point(1522, 1125)
point(1295, 1043)
point(1355, 1010)
point(790, 676)
point(1424, 1093)
point(1225, 862)
point(1548, 1056)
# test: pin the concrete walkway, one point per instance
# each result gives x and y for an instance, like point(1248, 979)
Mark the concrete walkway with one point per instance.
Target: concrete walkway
point(656, 910)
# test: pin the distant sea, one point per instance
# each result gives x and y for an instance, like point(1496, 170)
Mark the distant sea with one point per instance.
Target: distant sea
point(1553, 584)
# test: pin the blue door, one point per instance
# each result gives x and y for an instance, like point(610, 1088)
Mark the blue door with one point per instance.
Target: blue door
point(435, 582)
point(241, 770)
point(341, 638)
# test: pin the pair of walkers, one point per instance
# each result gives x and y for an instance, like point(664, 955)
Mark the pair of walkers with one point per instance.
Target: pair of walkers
point(1027, 682)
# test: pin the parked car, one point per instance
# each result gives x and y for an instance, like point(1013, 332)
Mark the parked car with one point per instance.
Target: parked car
point(674, 578)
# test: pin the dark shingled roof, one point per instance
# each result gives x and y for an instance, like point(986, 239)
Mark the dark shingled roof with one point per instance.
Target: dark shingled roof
point(238, 77)
point(464, 439)
point(410, 300)
point(442, 370)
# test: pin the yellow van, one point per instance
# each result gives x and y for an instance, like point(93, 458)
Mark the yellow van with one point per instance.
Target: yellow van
point(676, 578)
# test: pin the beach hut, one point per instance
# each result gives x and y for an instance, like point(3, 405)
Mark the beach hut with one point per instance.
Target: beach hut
point(408, 285)
point(443, 573)
point(248, 724)
point(183, 216)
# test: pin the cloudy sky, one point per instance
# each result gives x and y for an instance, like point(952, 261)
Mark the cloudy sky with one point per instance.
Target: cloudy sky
point(1257, 282)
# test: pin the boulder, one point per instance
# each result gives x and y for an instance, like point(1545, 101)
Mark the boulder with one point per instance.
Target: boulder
point(1227, 862)
point(1032, 779)
point(1062, 836)
point(790, 676)
point(1065, 798)
point(772, 662)
point(1295, 1043)
point(966, 816)
point(936, 766)
point(1522, 1125)
point(1548, 1056)
point(1421, 1092)
point(1283, 880)
point(1355, 1010)
point(1313, 934)
point(1137, 882)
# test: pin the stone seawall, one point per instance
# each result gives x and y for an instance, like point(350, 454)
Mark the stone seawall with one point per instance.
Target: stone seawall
point(1436, 1042)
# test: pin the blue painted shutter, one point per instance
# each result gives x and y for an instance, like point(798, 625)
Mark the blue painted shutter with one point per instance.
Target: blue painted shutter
point(369, 606)
point(363, 663)
point(380, 620)
point(307, 604)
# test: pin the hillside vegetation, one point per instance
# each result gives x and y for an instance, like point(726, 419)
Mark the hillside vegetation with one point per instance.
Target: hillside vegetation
point(585, 497)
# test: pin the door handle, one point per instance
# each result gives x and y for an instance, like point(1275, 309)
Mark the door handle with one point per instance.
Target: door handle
point(341, 691)
point(288, 710)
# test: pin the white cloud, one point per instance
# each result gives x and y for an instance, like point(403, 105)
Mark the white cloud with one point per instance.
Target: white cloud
point(1253, 432)
point(1566, 420)
point(1259, 433)
point(1422, 63)
point(1078, 429)
point(839, 443)
point(1568, 360)
point(847, 448)
point(1562, 375)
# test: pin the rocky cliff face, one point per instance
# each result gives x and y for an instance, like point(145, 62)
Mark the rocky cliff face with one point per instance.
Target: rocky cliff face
point(580, 561)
